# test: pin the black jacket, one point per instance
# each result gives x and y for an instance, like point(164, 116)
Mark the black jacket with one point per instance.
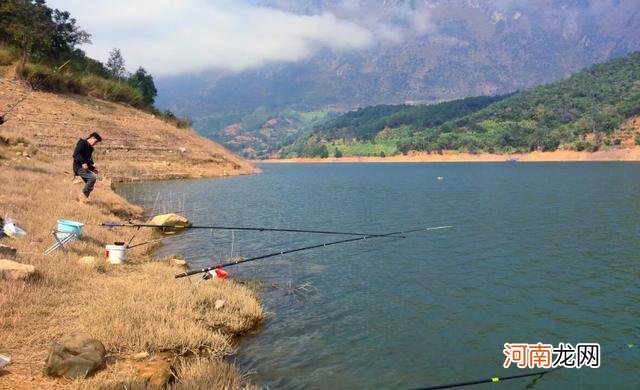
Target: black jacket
point(82, 155)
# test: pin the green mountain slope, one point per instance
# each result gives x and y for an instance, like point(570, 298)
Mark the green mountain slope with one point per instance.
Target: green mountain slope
point(366, 123)
point(582, 112)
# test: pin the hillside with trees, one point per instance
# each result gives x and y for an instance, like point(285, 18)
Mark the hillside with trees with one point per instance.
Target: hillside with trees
point(51, 94)
point(41, 45)
point(584, 112)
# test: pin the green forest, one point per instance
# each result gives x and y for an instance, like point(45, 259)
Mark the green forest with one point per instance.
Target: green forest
point(596, 102)
point(379, 130)
point(42, 45)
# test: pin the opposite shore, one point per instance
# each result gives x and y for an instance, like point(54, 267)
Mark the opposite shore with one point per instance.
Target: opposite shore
point(631, 153)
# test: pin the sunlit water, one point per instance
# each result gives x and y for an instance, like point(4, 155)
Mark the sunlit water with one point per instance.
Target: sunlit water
point(539, 252)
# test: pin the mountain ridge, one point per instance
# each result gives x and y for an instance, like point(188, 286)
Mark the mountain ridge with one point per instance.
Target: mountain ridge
point(467, 48)
point(586, 111)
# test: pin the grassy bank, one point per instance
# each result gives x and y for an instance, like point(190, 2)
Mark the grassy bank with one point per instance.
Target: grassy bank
point(135, 308)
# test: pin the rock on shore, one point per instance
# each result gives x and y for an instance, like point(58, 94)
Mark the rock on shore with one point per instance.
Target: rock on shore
point(12, 270)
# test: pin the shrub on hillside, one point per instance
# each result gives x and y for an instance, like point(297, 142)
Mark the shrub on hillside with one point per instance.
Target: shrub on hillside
point(586, 146)
point(115, 91)
point(42, 77)
point(170, 117)
point(8, 56)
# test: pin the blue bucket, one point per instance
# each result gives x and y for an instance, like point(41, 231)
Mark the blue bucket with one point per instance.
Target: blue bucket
point(66, 226)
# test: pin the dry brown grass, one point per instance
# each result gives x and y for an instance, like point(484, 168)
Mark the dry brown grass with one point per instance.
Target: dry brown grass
point(186, 311)
point(132, 308)
point(190, 374)
point(203, 374)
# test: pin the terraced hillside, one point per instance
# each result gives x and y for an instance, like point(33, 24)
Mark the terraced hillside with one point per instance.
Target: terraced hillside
point(137, 145)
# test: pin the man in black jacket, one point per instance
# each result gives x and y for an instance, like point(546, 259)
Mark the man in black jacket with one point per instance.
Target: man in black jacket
point(83, 164)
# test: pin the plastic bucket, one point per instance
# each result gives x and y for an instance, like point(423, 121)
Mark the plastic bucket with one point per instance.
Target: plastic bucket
point(116, 253)
point(65, 227)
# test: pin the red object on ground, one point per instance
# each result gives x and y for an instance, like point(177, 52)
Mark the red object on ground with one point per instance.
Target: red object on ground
point(222, 274)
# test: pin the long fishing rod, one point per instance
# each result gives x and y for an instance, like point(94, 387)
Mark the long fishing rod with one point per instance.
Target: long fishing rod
point(496, 379)
point(398, 234)
point(493, 379)
point(257, 229)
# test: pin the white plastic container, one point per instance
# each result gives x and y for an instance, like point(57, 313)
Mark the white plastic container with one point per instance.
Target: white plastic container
point(116, 253)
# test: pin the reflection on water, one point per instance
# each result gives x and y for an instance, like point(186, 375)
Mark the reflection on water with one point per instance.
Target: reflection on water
point(540, 252)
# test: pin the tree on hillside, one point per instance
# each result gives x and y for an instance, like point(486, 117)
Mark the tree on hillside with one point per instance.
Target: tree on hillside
point(37, 30)
point(144, 83)
point(323, 152)
point(115, 64)
point(66, 35)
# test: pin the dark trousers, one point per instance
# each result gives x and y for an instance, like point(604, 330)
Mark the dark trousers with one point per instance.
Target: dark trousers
point(89, 179)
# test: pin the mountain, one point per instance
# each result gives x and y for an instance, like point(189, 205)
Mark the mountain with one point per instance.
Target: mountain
point(441, 50)
point(586, 111)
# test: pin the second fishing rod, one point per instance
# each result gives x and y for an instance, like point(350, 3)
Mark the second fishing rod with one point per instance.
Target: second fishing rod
point(398, 234)
point(238, 228)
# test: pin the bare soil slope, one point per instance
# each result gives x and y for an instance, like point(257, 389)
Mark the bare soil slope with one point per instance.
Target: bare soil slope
point(137, 145)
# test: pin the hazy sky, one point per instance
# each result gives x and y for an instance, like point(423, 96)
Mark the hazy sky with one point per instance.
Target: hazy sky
point(179, 36)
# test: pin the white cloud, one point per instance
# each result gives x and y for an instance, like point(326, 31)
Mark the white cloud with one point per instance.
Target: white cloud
point(391, 22)
point(180, 36)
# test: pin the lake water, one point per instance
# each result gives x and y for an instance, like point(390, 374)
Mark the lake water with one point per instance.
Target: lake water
point(539, 252)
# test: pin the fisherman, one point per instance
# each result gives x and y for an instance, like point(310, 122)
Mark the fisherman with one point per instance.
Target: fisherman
point(83, 164)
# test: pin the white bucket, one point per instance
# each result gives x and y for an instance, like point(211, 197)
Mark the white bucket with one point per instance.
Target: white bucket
point(116, 253)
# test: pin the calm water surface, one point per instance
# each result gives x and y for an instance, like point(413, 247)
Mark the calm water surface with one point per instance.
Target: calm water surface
point(540, 252)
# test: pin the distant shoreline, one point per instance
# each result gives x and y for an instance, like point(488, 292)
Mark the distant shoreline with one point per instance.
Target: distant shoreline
point(611, 154)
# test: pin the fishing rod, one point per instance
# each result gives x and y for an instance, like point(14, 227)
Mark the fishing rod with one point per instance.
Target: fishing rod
point(496, 379)
point(398, 234)
point(257, 229)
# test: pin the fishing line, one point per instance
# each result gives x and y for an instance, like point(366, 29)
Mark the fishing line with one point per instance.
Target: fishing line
point(256, 246)
point(496, 379)
point(284, 252)
point(76, 123)
point(23, 98)
point(129, 246)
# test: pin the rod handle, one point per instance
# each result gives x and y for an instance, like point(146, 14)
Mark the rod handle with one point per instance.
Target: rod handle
point(111, 224)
